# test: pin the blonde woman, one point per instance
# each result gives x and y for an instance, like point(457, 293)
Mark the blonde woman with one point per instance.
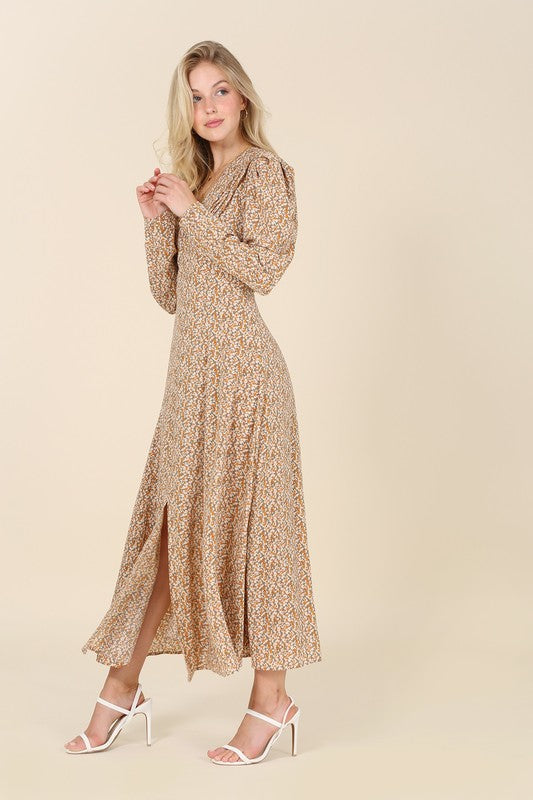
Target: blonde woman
point(216, 563)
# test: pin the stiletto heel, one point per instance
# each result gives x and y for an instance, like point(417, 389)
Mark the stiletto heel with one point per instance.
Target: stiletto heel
point(120, 723)
point(294, 722)
point(275, 736)
point(148, 718)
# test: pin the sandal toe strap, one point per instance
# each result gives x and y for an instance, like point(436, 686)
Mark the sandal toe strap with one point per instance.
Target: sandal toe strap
point(85, 738)
point(236, 750)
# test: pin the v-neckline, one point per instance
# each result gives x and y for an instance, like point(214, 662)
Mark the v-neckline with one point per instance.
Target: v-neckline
point(223, 172)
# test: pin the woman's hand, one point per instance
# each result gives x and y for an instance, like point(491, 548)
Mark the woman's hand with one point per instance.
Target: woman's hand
point(173, 192)
point(164, 191)
point(150, 207)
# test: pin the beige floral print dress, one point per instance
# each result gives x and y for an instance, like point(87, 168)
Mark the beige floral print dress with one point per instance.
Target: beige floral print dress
point(225, 454)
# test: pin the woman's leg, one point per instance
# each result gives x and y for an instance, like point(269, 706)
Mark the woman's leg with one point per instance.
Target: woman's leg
point(121, 682)
point(268, 696)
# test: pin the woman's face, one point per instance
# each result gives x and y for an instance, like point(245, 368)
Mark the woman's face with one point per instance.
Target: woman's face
point(214, 99)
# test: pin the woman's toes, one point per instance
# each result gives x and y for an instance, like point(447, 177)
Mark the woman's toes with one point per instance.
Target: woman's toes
point(75, 744)
point(223, 754)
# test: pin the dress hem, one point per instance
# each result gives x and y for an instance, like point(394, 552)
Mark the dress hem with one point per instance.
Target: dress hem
point(291, 664)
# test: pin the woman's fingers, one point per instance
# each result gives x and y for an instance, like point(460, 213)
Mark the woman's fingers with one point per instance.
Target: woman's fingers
point(150, 184)
point(160, 192)
point(152, 181)
point(169, 179)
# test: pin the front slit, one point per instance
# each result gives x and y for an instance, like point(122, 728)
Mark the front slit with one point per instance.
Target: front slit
point(169, 620)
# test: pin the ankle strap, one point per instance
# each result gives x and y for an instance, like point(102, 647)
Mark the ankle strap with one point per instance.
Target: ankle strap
point(127, 711)
point(270, 719)
point(263, 716)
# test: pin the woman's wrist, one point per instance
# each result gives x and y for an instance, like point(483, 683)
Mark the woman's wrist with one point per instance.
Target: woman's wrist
point(157, 216)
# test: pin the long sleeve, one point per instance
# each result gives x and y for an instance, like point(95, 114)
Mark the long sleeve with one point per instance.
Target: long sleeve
point(161, 258)
point(270, 226)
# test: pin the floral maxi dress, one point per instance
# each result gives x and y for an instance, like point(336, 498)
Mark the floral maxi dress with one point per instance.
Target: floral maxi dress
point(225, 456)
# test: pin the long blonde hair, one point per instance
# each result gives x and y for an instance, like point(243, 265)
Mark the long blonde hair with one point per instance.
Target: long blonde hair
point(190, 155)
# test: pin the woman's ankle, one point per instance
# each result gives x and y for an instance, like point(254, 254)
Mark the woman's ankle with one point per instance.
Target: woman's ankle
point(268, 696)
point(120, 684)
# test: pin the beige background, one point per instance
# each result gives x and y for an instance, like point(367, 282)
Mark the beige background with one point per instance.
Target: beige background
point(405, 320)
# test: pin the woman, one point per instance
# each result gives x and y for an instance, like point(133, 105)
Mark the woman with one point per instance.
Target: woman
point(216, 562)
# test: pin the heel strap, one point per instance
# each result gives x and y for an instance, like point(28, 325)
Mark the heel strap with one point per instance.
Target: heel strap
point(287, 709)
point(271, 719)
point(127, 711)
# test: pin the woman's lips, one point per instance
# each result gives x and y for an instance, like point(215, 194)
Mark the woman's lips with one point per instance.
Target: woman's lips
point(214, 123)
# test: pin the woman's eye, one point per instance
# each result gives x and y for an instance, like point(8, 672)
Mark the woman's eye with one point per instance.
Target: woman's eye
point(195, 96)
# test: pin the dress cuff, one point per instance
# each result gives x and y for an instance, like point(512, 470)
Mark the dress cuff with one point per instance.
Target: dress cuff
point(192, 213)
point(161, 222)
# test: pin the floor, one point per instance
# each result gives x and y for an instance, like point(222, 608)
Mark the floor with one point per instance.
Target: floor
point(379, 721)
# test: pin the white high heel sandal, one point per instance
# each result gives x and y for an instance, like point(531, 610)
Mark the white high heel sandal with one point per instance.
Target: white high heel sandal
point(275, 736)
point(120, 723)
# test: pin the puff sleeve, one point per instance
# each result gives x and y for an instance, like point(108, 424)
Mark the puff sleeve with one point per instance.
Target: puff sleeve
point(161, 258)
point(269, 228)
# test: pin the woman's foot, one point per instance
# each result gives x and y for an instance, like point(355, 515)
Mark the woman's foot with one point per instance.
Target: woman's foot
point(253, 733)
point(116, 692)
